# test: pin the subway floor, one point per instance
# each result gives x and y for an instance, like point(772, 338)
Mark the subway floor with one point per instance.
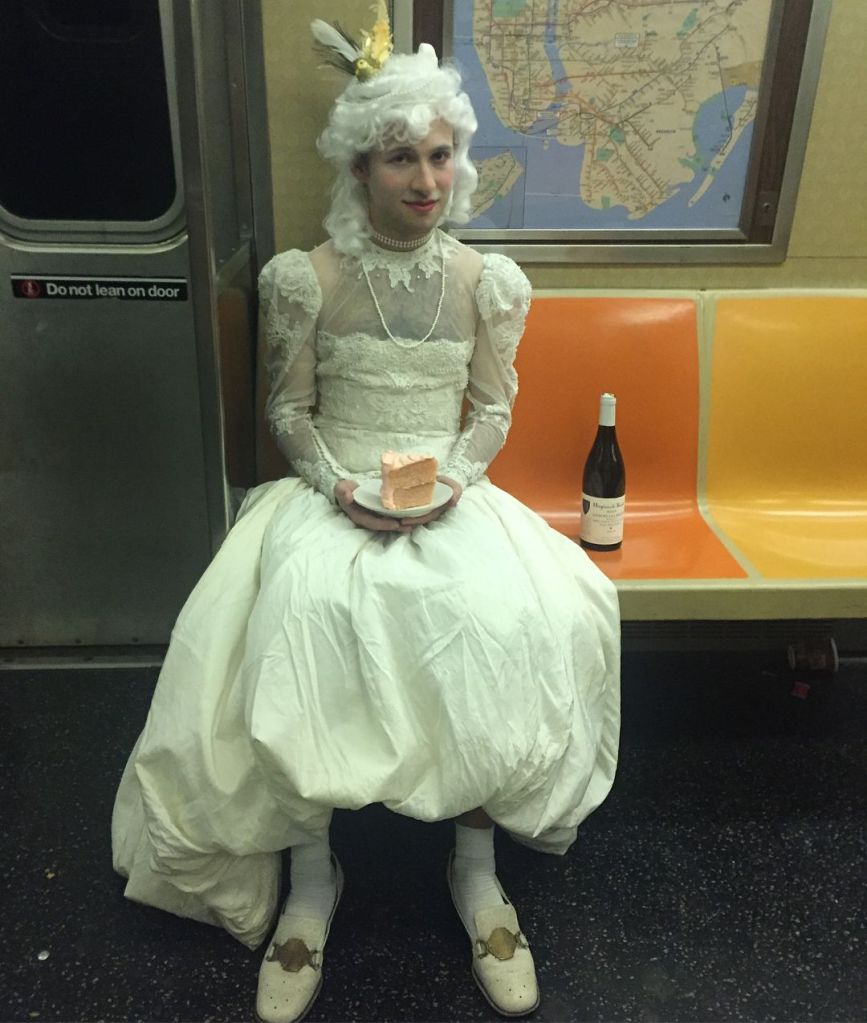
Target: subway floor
point(724, 878)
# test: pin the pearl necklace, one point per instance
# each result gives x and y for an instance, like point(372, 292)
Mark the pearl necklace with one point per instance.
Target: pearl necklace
point(411, 344)
point(392, 243)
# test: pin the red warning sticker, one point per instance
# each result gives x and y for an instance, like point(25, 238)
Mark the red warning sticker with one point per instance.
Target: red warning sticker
point(137, 289)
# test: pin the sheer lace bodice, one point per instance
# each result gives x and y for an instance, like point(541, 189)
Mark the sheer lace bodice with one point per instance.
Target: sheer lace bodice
point(342, 390)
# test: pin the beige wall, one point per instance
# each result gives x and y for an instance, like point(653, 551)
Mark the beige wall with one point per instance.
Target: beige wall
point(300, 94)
point(828, 246)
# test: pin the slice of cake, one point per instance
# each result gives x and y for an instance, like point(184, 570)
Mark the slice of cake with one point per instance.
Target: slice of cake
point(407, 480)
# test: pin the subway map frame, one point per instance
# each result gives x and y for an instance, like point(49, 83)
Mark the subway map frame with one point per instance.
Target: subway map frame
point(631, 131)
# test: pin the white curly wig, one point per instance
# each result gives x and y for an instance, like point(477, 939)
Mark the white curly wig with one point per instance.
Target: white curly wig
point(400, 104)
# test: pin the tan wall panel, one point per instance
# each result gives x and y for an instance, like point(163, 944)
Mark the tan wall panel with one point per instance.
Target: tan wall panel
point(829, 237)
point(832, 205)
point(300, 94)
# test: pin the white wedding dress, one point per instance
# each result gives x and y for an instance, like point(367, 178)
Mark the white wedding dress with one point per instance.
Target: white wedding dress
point(473, 662)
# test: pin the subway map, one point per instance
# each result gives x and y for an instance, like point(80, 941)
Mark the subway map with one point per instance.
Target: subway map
point(596, 114)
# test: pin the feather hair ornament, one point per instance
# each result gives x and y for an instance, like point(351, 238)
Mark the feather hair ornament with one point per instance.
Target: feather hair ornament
point(338, 49)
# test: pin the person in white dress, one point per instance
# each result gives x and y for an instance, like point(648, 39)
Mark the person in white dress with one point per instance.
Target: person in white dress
point(461, 664)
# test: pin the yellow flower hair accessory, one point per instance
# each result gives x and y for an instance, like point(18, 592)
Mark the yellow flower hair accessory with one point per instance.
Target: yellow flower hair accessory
point(340, 50)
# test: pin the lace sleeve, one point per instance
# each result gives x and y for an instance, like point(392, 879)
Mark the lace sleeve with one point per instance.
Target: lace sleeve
point(502, 299)
point(290, 300)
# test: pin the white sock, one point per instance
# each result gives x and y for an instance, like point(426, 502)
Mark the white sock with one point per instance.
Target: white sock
point(474, 872)
point(313, 881)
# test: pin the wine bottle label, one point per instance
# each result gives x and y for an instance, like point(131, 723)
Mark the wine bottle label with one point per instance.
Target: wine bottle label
point(602, 519)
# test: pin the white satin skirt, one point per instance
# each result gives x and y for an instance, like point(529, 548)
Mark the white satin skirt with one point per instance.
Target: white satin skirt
point(471, 663)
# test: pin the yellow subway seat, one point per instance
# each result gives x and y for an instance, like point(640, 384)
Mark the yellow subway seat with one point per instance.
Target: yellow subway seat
point(798, 544)
point(787, 433)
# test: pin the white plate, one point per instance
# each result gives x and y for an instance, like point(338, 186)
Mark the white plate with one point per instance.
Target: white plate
point(367, 495)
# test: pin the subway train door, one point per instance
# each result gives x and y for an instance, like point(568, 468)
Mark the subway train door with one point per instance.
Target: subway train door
point(133, 182)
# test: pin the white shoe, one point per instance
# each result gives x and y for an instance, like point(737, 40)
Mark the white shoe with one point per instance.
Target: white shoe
point(290, 976)
point(502, 961)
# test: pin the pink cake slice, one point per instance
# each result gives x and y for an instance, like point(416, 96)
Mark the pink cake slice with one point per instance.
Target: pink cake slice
point(407, 480)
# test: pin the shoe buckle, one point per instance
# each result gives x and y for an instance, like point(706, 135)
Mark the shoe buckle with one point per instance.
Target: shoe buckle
point(501, 944)
point(293, 955)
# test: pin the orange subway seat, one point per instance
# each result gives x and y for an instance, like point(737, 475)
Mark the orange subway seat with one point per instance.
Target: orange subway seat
point(787, 449)
point(645, 350)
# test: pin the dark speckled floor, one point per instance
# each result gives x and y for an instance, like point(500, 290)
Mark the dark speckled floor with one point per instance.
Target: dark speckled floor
point(724, 879)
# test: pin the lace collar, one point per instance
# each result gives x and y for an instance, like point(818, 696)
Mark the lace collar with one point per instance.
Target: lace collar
point(404, 266)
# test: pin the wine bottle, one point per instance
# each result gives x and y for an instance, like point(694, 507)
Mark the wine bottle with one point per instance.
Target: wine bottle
point(603, 500)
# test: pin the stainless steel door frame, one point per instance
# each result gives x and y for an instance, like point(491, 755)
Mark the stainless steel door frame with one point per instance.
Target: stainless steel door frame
point(115, 488)
point(224, 115)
